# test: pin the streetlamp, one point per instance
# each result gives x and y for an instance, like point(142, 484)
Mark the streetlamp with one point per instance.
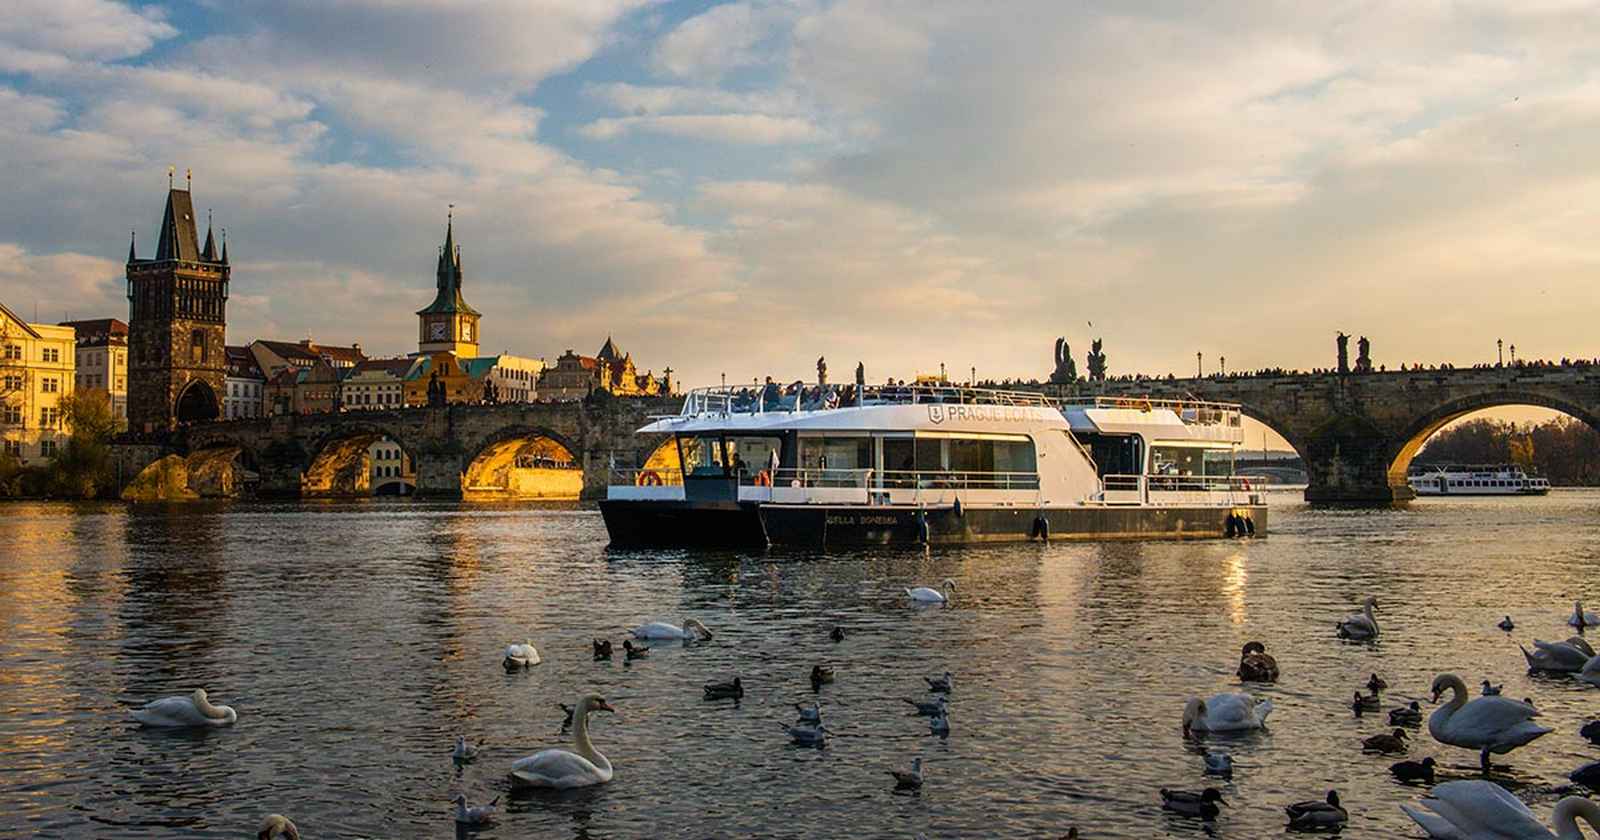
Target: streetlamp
point(1500, 351)
point(1199, 370)
point(1513, 355)
point(1223, 361)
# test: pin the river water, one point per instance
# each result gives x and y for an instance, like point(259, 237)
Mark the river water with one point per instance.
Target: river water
point(356, 640)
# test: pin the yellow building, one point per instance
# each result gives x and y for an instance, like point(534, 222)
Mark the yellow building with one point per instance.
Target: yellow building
point(37, 365)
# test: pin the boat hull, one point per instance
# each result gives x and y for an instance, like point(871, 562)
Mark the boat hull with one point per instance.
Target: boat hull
point(665, 524)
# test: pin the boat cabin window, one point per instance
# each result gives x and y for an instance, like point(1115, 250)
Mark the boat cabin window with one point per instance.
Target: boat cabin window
point(930, 461)
point(835, 457)
point(719, 455)
point(1114, 454)
point(1190, 460)
point(752, 454)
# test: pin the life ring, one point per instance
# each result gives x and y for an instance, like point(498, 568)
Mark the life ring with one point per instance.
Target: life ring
point(1246, 484)
point(764, 479)
point(650, 478)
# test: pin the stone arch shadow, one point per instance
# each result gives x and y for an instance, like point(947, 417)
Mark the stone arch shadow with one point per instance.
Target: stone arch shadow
point(524, 462)
point(337, 463)
point(1410, 441)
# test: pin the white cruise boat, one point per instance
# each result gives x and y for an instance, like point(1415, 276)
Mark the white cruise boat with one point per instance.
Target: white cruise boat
point(931, 464)
point(1496, 480)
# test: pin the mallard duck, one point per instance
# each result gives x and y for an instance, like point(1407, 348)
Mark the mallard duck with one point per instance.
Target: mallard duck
point(1507, 624)
point(1218, 764)
point(566, 710)
point(1203, 804)
point(1255, 665)
point(809, 714)
point(630, 652)
point(602, 649)
point(1376, 684)
point(474, 815)
point(1386, 743)
point(1406, 715)
point(1314, 815)
point(837, 634)
point(725, 690)
point(1364, 703)
point(941, 683)
point(1588, 775)
point(464, 752)
point(1361, 625)
point(1591, 732)
point(1492, 690)
point(909, 778)
point(1414, 771)
point(1582, 618)
point(928, 708)
point(821, 675)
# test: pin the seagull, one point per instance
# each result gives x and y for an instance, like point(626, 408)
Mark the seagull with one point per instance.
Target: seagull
point(474, 815)
point(909, 778)
point(807, 736)
point(464, 752)
point(939, 724)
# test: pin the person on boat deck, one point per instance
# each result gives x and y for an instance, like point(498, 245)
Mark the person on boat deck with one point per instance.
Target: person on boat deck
point(770, 394)
point(738, 465)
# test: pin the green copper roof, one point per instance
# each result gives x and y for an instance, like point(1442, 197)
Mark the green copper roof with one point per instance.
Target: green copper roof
point(448, 300)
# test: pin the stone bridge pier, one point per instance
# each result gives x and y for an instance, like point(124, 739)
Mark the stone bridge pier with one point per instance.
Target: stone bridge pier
point(1358, 432)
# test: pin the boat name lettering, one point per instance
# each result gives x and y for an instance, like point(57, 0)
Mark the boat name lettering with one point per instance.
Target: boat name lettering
point(938, 413)
point(868, 519)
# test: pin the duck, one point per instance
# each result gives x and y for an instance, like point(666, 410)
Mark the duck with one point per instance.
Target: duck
point(563, 769)
point(809, 714)
point(939, 724)
point(1361, 625)
point(1476, 808)
point(725, 690)
point(1204, 804)
point(1376, 684)
point(1317, 814)
point(1255, 665)
point(928, 708)
point(1414, 771)
point(520, 657)
point(1406, 715)
point(911, 778)
point(1588, 775)
point(1591, 732)
point(837, 634)
point(1492, 690)
point(474, 815)
point(630, 652)
point(1507, 624)
point(691, 631)
point(602, 649)
point(929, 595)
point(464, 752)
point(1488, 724)
point(1566, 657)
point(1581, 619)
point(566, 710)
point(807, 736)
point(1364, 703)
point(275, 826)
point(192, 710)
point(941, 684)
point(1386, 742)
point(1218, 764)
point(1225, 713)
point(1591, 671)
point(821, 675)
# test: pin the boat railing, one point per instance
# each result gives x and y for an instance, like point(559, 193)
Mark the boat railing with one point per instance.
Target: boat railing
point(801, 396)
point(1192, 412)
point(646, 477)
point(893, 479)
point(1142, 489)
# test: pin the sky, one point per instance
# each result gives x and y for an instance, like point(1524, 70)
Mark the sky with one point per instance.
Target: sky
point(739, 188)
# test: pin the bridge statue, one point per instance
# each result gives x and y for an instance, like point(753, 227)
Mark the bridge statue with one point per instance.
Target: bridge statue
point(1363, 359)
point(1097, 362)
point(1344, 353)
point(1066, 371)
point(822, 370)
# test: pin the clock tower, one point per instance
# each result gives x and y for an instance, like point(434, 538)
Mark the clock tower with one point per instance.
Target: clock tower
point(448, 324)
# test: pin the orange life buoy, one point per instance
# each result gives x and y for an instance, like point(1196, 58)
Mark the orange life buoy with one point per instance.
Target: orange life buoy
point(650, 478)
point(764, 479)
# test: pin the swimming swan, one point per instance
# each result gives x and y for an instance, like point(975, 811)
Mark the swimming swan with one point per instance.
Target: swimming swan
point(1487, 724)
point(275, 826)
point(692, 630)
point(929, 595)
point(1566, 657)
point(520, 656)
point(1474, 808)
point(1225, 713)
point(1581, 619)
point(193, 710)
point(1591, 671)
point(1361, 625)
point(561, 769)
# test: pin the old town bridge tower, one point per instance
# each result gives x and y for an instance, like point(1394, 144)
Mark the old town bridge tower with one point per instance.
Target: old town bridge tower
point(177, 311)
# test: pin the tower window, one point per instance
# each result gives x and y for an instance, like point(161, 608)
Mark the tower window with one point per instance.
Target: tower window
point(197, 346)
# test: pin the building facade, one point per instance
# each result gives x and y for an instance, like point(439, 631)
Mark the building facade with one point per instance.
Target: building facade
point(448, 325)
point(273, 356)
point(376, 385)
point(574, 377)
point(515, 379)
point(392, 471)
point(451, 374)
point(37, 367)
point(102, 360)
point(244, 386)
point(177, 314)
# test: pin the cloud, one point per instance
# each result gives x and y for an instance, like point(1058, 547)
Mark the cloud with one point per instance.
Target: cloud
point(61, 286)
point(721, 39)
point(33, 31)
point(725, 128)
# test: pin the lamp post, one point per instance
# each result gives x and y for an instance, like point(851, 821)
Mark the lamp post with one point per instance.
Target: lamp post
point(1222, 361)
point(1500, 351)
point(1199, 369)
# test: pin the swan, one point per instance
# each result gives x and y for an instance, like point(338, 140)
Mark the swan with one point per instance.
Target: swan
point(1487, 724)
point(520, 656)
point(193, 710)
point(1317, 814)
point(1203, 804)
point(1591, 732)
point(1475, 809)
point(1414, 771)
point(929, 595)
point(561, 769)
point(1566, 657)
point(474, 815)
point(1255, 665)
point(1361, 625)
point(1581, 619)
point(275, 826)
point(1588, 775)
point(909, 778)
point(1225, 713)
point(691, 631)
point(1591, 671)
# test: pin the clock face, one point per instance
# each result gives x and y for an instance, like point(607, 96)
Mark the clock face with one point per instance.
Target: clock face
point(437, 330)
point(466, 332)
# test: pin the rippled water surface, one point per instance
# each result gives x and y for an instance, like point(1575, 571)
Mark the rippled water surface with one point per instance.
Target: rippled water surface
point(356, 641)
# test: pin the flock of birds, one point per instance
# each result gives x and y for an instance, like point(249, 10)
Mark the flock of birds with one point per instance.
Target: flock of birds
point(583, 765)
point(1466, 809)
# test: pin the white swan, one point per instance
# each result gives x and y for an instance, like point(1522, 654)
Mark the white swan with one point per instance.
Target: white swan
point(1566, 657)
point(1478, 810)
point(521, 656)
point(692, 630)
point(929, 595)
point(1225, 713)
point(1487, 724)
point(1581, 619)
point(1361, 625)
point(275, 826)
point(561, 769)
point(193, 710)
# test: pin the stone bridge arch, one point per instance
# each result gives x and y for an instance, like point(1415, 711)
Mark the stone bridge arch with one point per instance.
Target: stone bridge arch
point(337, 464)
point(1411, 439)
point(523, 461)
